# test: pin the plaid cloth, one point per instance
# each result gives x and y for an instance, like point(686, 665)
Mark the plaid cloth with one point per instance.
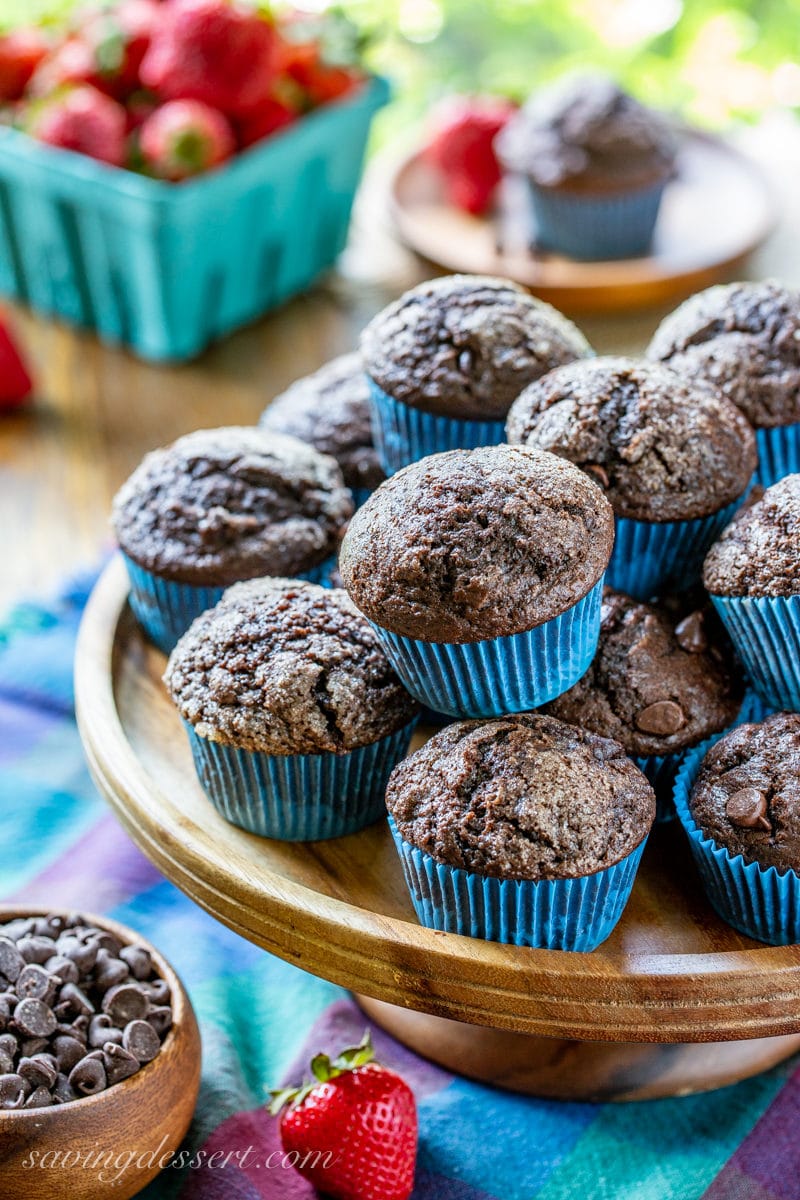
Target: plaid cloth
point(262, 1018)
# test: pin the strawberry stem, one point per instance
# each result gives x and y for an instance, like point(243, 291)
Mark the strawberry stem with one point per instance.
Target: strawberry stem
point(323, 1070)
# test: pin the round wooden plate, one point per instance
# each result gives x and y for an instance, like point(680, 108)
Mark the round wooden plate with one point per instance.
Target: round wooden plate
point(672, 972)
point(713, 215)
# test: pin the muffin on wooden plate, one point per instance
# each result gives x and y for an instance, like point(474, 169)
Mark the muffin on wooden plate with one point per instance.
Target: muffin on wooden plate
point(219, 506)
point(521, 829)
point(675, 459)
point(294, 714)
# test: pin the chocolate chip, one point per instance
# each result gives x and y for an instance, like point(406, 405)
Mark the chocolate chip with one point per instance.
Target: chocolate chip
point(599, 473)
point(106, 941)
point(40, 1097)
point(127, 1002)
point(138, 960)
point(35, 983)
point(83, 954)
point(64, 968)
point(77, 1000)
point(662, 718)
point(691, 634)
point(33, 1046)
point(141, 1040)
point(747, 808)
point(19, 927)
point(63, 1091)
point(158, 991)
point(6, 1063)
point(101, 1030)
point(119, 1063)
point(8, 1044)
point(109, 971)
point(68, 1051)
point(36, 949)
point(11, 961)
point(7, 1004)
point(88, 1077)
point(35, 1018)
point(161, 1019)
point(39, 1071)
point(13, 1091)
point(49, 926)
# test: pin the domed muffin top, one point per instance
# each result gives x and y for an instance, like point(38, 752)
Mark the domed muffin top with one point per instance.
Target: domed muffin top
point(758, 554)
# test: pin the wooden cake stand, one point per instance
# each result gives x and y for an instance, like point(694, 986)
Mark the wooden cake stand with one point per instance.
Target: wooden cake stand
point(715, 212)
point(674, 1002)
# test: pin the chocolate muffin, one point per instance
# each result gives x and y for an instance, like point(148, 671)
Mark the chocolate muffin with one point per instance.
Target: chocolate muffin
point(747, 795)
point(286, 667)
point(759, 552)
point(657, 685)
point(585, 134)
point(477, 544)
point(464, 346)
point(521, 797)
point(221, 505)
point(745, 339)
point(662, 447)
point(330, 410)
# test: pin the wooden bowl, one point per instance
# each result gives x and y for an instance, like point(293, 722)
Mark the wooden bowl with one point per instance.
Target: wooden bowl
point(713, 216)
point(672, 971)
point(125, 1131)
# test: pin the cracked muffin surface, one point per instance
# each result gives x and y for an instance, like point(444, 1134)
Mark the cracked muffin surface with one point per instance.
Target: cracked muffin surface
point(758, 554)
point(745, 339)
point(659, 681)
point(662, 447)
point(521, 797)
point(220, 505)
point(746, 795)
point(286, 667)
point(475, 544)
point(465, 346)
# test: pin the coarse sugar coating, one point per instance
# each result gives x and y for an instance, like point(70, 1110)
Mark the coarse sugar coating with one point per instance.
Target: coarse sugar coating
point(745, 339)
point(476, 544)
point(330, 410)
point(747, 794)
point(286, 667)
point(465, 346)
point(521, 797)
point(221, 505)
point(663, 447)
point(658, 683)
point(758, 554)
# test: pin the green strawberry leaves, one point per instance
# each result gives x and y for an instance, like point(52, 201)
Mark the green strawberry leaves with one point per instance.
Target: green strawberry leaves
point(323, 1071)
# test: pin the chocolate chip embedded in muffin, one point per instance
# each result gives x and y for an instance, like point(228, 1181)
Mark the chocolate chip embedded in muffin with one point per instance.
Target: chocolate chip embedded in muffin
point(655, 686)
point(330, 410)
point(585, 134)
point(521, 797)
point(662, 447)
point(758, 554)
point(747, 794)
point(221, 505)
point(466, 345)
point(745, 339)
point(476, 544)
point(286, 667)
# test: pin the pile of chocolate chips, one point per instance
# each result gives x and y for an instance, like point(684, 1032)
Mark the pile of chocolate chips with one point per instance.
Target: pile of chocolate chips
point(79, 1011)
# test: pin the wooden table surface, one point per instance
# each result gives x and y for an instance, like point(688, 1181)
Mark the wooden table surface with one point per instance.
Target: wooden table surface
point(98, 410)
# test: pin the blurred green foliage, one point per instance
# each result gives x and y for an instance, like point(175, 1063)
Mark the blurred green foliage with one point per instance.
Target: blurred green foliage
point(714, 60)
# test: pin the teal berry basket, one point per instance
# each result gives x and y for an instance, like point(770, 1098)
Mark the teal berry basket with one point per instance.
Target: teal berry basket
point(167, 268)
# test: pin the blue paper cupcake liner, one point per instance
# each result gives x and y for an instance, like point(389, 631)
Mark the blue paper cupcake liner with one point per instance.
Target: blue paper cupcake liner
point(361, 495)
point(298, 797)
point(661, 769)
point(499, 675)
point(403, 434)
point(552, 914)
point(760, 902)
point(165, 609)
point(778, 453)
point(766, 633)
point(651, 557)
point(596, 227)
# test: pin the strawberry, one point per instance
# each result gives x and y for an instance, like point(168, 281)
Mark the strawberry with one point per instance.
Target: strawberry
point(106, 50)
point(321, 82)
point(270, 116)
point(353, 1130)
point(21, 51)
point(461, 148)
point(15, 382)
point(185, 137)
point(81, 119)
point(212, 51)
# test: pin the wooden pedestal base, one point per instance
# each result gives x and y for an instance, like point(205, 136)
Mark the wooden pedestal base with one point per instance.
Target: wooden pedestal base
point(564, 1069)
